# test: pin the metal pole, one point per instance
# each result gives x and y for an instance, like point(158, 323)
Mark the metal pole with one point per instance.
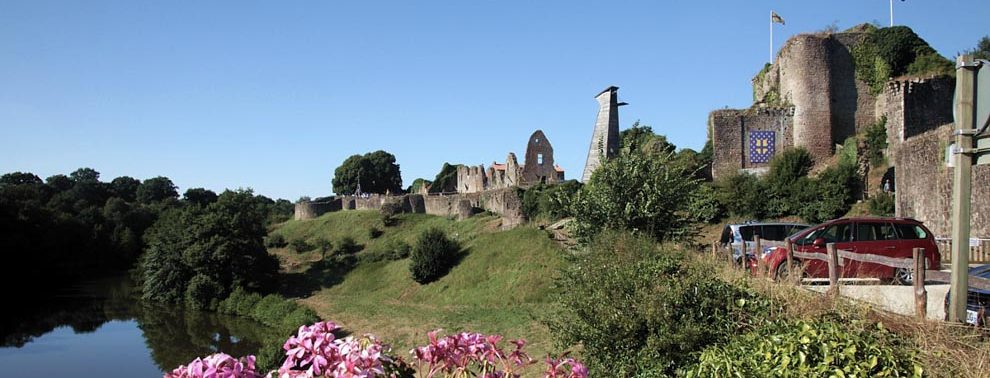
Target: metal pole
point(962, 186)
point(771, 36)
point(891, 12)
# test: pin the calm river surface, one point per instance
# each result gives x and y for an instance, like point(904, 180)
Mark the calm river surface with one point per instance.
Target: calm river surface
point(101, 329)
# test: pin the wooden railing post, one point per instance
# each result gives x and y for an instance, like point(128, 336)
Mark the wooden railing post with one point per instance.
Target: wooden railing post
point(833, 269)
point(757, 251)
point(790, 259)
point(920, 293)
point(742, 257)
point(714, 250)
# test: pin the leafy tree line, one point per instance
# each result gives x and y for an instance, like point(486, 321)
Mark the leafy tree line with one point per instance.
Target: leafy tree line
point(71, 226)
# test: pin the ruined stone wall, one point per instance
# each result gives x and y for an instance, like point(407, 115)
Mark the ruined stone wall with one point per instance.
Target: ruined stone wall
point(310, 210)
point(539, 166)
point(916, 106)
point(471, 179)
point(924, 184)
point(505, 202)
point(731, 136)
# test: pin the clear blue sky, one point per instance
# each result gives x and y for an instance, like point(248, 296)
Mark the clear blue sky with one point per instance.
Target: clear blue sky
point(274, 95)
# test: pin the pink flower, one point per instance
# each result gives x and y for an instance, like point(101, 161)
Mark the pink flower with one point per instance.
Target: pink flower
point(219, 365)
point(556, 368)
point(315, 352)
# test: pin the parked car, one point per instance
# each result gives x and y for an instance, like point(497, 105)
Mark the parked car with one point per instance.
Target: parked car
point(771, 234)
point(889, 237)
point(977, 300)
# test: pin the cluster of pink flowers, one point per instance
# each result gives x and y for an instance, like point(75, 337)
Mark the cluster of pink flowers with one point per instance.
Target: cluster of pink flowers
point(220, 365)
point(315, 352)
point(556, 368)
point(479, 355)
point(470, 352)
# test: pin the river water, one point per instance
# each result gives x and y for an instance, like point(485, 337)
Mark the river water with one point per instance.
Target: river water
point(100, 328)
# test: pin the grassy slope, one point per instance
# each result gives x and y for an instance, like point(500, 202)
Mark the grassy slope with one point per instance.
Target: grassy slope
point(500, 286)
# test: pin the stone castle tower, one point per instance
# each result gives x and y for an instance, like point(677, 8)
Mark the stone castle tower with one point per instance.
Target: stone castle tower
point(605, 140)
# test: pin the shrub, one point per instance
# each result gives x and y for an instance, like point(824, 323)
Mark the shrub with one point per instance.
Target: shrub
point(638, 308)
point(741, 194)
point(374, 232)
point(239, 302)
point(347, 246)
point(391, 251)
point(830, 196)
point(203, 293)
point(785, 182)
point(817, 349)
point(275, 241)
point(324, 246)
point(387, 213)
point(882, 204)
point(432, 256)
point(300, 245)
point(272, 309)
point(636, 192)
point(704, 206)
point(875, 138)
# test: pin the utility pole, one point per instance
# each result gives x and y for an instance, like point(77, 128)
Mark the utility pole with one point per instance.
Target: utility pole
point(962, 154)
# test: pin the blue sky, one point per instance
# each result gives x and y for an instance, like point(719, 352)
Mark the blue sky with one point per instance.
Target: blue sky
point(275, 95)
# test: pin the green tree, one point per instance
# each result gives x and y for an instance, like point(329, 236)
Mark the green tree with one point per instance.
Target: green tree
point(223, 242)
point(125, 187)
point(20, 178)
point(981, 50)
point(636, 192)
point(199, 196)
point(641, 139)
point(376, 172)
point(445, 180)
point(157, 189)
point(417, 185)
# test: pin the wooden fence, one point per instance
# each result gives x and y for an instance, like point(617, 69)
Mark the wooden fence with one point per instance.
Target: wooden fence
point(837, 258)
point(978, 254)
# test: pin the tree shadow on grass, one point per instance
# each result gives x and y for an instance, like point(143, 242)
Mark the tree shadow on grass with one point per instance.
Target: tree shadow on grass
point(321, 274)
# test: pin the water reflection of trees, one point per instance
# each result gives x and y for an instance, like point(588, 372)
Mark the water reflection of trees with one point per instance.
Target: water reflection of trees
point(172, 336)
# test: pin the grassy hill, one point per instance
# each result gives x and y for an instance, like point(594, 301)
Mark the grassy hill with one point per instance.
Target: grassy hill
point(500, 286)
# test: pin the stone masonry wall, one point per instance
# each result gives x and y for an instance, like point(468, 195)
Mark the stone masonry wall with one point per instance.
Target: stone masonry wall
point(730, 136)
point(536, 170)
point(916, 106)
point(924, 184)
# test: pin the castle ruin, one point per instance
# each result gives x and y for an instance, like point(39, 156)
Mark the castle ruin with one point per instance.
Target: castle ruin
point(810, 97)
point(538, 168)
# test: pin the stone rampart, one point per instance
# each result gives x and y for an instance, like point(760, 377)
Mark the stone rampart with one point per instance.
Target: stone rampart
point(313, 209)
point(505, 202)
point(915, 106)
point(924, 184)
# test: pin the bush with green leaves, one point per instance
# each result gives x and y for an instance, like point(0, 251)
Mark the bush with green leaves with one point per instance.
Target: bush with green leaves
point(636, 192)
point(786, 182)
point(393, 249)
point(388, 213)
point(202, 293)
point(822, 348)
point(704, 206)
point(549, 201)
point(831, 194)
point(374, 232)
point(347, 246)
point(282, 315)
point(639, 309)
point(882, 204)
point(875, 138)
point(741, 194)
point(300, 245)
point(894, 51)
point(276, 241)
point(433, 255)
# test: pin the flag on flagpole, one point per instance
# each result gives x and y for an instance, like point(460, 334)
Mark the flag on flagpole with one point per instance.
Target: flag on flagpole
point(775, 18)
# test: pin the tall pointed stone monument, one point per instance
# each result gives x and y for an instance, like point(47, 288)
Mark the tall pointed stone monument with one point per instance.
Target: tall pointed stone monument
point(605, 140)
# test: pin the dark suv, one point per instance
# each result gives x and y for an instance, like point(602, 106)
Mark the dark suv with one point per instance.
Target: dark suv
point(889, 237)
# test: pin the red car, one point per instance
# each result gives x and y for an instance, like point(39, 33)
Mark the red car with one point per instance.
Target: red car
point(890, 237)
